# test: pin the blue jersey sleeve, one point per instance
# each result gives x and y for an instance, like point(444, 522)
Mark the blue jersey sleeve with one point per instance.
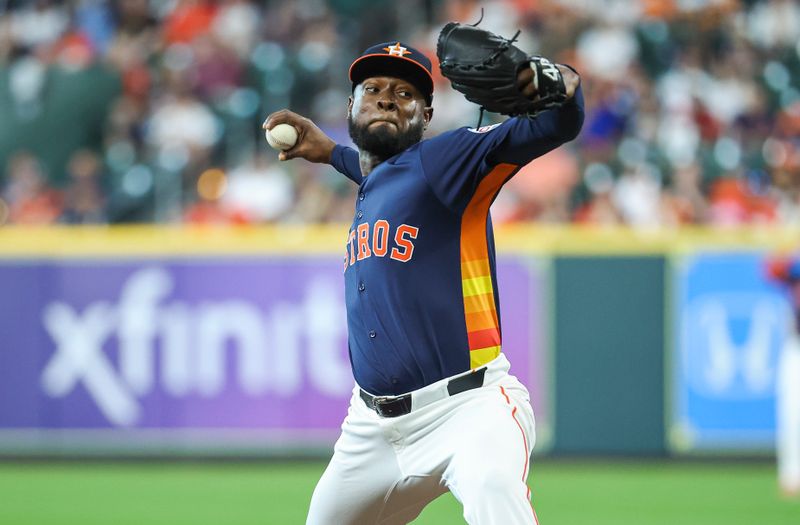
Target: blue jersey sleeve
point(345, 160)
point(794, 270)
point(455, 163)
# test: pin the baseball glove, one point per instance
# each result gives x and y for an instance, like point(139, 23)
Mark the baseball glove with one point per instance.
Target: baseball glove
point(484, 67)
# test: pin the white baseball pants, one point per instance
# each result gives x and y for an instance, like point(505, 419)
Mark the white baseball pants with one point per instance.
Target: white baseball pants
point(787, 396)
point(476, 444)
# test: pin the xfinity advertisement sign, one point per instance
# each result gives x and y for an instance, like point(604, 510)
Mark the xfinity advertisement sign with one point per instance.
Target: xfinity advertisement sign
point(197, 347)
point(182, 346)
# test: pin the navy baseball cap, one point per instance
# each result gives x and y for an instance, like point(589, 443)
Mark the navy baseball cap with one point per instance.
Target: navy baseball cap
point(394, 59)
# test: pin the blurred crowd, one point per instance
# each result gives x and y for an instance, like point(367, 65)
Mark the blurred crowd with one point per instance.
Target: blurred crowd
point(150, 111)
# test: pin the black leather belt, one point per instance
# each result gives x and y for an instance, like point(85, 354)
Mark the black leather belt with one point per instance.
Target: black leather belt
point(394, 406)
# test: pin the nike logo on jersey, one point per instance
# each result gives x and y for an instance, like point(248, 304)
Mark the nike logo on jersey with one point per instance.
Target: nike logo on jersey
point(368, 240)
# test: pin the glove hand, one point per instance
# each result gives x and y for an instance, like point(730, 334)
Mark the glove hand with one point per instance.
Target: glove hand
point(528, 89)
point(486, 68)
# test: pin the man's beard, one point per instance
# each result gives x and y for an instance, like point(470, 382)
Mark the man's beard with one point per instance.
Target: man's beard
point(380, 142)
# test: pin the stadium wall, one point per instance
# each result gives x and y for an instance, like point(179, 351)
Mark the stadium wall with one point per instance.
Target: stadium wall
point(206, 341)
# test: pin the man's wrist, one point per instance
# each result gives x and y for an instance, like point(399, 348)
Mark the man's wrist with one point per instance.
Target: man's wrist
point(572, 80)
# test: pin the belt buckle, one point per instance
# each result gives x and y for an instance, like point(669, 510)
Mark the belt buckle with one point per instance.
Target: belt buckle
point(378, 402)
point(391, 406)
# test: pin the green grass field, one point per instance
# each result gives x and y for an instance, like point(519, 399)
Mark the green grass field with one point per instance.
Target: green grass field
point(565, 493)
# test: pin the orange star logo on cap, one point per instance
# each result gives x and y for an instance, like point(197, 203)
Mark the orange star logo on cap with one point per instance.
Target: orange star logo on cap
point(397, 50)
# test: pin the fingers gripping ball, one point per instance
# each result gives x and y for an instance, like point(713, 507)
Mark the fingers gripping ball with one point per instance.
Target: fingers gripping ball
point(282, 137)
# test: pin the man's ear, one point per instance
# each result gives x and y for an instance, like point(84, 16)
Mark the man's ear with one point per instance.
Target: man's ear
point(349, 105)
point(427, 115)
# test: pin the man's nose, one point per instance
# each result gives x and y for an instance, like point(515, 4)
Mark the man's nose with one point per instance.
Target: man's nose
point(387, 104)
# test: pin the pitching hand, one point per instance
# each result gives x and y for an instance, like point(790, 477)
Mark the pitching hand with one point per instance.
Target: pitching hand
point(312, 143)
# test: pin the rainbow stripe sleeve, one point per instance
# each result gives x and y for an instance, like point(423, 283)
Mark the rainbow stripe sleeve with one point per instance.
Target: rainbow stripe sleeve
point(483, 325)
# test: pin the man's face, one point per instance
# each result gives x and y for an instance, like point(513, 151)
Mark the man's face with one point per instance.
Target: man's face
point(386, 115)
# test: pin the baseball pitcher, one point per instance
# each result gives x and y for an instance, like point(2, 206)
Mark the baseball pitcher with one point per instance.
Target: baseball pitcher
point(434, 407)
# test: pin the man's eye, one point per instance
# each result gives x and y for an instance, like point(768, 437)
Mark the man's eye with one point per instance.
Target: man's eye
point(371, 89)
point(405, 94)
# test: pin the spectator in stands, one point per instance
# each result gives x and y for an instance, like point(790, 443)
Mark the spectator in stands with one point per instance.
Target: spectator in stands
point(260, 190)
point(84, 200)
point(180, 125)
point(29, 198)
point(188, 20)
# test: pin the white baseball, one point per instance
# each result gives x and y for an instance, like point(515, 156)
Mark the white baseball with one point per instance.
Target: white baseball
point(282, 136)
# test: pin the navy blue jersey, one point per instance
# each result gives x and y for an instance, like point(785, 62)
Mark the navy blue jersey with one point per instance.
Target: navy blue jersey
point(420, 283)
